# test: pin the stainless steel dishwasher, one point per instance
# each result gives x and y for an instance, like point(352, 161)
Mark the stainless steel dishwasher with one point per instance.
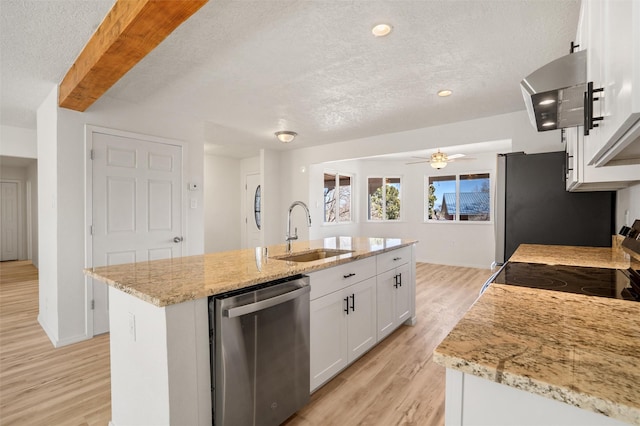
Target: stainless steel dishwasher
point(260, 353)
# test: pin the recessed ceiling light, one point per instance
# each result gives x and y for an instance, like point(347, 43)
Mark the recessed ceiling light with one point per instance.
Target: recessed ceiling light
point(381, 30)
point(548, 123)
point(444, 93)
point(547, 102)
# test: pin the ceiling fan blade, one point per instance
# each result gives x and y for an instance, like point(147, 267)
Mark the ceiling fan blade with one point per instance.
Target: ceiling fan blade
point(462, 159)
point(454, 156)
point(417, 162)
point(422, 158)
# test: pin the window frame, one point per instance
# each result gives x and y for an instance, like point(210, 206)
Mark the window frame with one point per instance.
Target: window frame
point(384, 204)
point(337, 175)
point(456, 220)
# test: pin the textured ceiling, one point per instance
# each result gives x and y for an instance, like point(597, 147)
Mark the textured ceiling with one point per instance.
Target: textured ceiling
point(249, 68)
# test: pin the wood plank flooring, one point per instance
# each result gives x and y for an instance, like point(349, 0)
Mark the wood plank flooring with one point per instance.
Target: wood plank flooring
point(395, 383)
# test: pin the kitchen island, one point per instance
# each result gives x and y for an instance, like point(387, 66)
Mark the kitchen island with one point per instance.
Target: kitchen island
point(530, 356)
point(159, 321)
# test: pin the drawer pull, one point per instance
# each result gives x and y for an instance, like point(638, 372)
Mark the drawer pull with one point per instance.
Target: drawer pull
point(396, 258)
point(349, 275)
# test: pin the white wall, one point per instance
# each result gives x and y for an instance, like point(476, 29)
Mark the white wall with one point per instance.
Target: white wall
point(48, 216)
point(222, 203)
point(32, 180)
point(438, 242)
point(18, 142)
point(273, 218)
point(61, 174)
point(627, 206)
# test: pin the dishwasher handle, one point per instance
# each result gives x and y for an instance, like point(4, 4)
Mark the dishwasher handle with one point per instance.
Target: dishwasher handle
point(264, 304)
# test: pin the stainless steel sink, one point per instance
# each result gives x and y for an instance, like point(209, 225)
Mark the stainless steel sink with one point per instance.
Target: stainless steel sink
point(311, 255)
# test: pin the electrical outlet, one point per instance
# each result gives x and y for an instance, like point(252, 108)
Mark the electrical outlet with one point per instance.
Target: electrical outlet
point(132, 326)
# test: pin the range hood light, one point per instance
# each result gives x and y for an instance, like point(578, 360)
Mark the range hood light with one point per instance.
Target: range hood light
point(555, 92)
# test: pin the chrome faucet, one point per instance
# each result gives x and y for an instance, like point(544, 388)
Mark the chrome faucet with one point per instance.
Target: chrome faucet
point(295, 232)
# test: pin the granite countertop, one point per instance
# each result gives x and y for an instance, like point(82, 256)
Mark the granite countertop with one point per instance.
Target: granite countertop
point(577, 349)
point(600, 257)
point(171, 281)
point(581, 350)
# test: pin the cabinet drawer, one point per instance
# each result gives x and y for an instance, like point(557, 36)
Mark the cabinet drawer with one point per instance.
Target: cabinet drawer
point(393, 259)
point(333, 279)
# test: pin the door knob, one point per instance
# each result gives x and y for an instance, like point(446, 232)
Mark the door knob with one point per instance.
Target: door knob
point(177, 239)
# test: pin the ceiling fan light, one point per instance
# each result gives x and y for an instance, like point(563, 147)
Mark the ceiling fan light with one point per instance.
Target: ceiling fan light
point(438, 160)
point(286, 136)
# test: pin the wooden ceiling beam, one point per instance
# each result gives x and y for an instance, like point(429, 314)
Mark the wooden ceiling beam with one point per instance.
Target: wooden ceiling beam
point(131, 30)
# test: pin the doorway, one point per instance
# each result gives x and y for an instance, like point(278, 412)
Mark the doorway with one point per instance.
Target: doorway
point(253, 213)
point(134, 207)
point(9, 221)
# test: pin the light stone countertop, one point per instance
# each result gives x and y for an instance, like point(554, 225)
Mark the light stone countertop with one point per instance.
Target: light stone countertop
point(598, 257)
point(171, 281)
point(577, 349)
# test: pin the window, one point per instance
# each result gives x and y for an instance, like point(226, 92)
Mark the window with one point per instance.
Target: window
point(464, 197)
point(384, 198)
point(337, 198)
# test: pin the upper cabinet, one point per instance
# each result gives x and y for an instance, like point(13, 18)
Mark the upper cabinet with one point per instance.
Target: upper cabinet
point(610, 31)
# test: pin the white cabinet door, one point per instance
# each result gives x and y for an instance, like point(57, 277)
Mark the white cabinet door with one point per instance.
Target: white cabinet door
point(328, 337)
point(386, 303)
point(394, 299)
point(614, 65)
point(361, 319)
point(403, 292)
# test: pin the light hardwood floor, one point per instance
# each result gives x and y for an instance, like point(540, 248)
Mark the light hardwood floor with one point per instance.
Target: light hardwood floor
point(395, 383)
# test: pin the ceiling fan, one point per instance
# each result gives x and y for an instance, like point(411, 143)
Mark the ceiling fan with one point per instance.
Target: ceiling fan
point(439, 159)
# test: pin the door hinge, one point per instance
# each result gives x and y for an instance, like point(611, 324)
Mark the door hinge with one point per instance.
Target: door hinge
point(245, 187)
point(93, 305)
point(90, 229)
point(91, 154)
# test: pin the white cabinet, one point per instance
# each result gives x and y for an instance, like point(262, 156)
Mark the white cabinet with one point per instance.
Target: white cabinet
point(610, 31)
point(328, 335)
point(471, 400)
point(581, 176)
point(349, 303)
point(343, 327)
point(395, 290)
point(361, 318)
point(343, 317)
point(394, 299)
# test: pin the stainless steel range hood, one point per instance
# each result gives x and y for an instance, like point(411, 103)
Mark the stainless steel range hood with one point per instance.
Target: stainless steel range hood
point(554, 94)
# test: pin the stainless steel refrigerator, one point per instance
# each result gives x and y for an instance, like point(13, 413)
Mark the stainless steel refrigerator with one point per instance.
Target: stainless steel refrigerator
point(532, 206)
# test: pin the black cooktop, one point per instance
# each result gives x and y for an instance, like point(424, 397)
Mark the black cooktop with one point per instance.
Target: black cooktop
point(601, 282)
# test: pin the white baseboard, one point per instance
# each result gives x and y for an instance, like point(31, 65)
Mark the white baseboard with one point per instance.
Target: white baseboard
point(57, 343)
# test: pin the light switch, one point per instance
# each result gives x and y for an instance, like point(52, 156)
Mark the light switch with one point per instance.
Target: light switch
point(194, 203)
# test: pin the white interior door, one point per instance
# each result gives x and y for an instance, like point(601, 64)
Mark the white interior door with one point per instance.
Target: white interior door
point(136, 205)
point(253, 214)
point(9, 221)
